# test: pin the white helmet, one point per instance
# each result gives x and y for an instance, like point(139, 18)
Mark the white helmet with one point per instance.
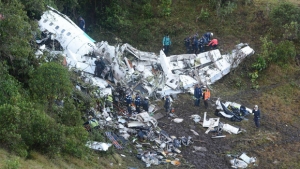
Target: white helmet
point(211, 34)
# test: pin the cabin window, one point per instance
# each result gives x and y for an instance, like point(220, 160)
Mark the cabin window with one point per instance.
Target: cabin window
point(62, 31)
point(45, 20)
point(68, 34)
point(51, 24)
point(56, 27)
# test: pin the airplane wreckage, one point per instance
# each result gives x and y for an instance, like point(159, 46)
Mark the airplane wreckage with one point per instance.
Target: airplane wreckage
point(147, 73)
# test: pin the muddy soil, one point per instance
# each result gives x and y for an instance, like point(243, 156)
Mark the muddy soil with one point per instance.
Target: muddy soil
point(269, 135)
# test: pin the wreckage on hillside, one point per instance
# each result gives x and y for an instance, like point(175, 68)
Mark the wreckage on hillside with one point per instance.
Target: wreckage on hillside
point(149, 73)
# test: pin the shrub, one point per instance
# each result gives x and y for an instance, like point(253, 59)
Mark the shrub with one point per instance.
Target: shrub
point(145, 34)
point(49, 82)
point(165, 7)
point(9, 87)
point(204, 15)
point(285, 13)
point(285, 52)
point(286, 18)
point(12, 163)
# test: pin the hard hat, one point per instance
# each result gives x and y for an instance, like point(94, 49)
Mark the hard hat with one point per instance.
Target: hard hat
point(255, 106)
point(90, 117)
point(204, 86)
point(147, 98)
point(98, 57)
point(211, 34)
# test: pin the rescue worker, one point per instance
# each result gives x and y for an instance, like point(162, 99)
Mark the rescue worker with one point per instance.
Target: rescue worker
point(167, 105)
point(208, 36)
point(213, 44)
point(195, 45)
point(206, 96)
point(109, 102)
point(166, 43)
point(187, 42)
point(197, 95)
point(92, 123)
point(256, 113)
point(146, 104)
point(201, 44)
point(128, 103)
point(137, 102)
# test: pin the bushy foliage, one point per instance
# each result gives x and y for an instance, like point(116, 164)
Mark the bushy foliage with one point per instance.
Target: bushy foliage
point(165, 7)
point(9, 87)
point(24, 124)
point(281, 54)
point(285, 53)
point(49, 82)
point(286, 19)
point(285, 13)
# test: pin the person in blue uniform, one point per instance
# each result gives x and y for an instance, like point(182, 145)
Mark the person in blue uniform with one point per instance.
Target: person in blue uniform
point(137, 102)
point(197, 95)
point(128, 100)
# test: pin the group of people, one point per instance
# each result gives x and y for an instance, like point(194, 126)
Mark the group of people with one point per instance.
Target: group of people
point(198, 94)
point(193, 44)
point(196, 45)
point(138, 103)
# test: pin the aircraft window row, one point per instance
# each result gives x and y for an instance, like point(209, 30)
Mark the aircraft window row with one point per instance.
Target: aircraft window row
point(57, 27)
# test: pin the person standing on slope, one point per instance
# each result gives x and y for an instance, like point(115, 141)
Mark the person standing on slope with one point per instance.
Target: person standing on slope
point(166, 43)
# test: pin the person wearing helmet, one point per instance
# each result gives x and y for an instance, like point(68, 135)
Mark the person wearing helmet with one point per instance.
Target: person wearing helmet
point(256, 113)
point(208, 36)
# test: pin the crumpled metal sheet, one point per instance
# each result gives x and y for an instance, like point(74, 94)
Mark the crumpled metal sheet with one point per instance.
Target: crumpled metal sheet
point(178, 71)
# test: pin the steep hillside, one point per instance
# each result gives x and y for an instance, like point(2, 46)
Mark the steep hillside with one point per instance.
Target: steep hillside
point(270, 79)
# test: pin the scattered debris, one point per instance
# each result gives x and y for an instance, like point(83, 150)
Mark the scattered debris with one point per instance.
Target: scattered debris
point(241, 161)
point(177, 120)
point(200, 148)
point(194, 132)
point(98, 145)
point(113, 140)
point(131, 71)
point(196, 118)
point(231, 110)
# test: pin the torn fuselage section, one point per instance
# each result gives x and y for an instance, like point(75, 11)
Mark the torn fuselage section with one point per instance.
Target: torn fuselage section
point(150, 73)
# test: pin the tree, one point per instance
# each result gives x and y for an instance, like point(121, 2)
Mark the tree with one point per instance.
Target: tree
point(49, 82)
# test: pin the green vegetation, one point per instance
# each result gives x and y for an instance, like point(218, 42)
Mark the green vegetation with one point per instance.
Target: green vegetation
point(33, 124)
